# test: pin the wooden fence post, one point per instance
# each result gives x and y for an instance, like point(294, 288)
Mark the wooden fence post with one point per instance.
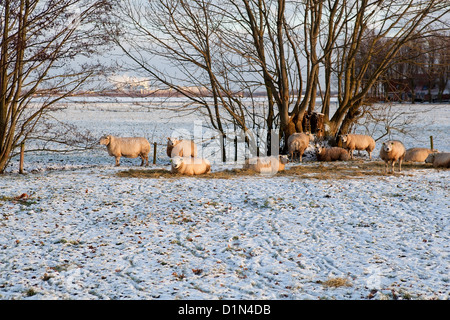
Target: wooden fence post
point(22, 151)
point(431, 142)
point(235, 148)
point(154, 152)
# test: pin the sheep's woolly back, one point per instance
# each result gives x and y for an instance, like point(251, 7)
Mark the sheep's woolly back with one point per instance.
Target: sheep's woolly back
point(332, 154)
point(391, 152)
point(190, 165)
point(181, 148)
point(298, 142)
point(266, 165)
point(439, 159)
point(418, 154)
point(353, 142)
point(129, 147)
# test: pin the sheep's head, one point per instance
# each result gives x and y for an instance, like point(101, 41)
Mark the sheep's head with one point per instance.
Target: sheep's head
point(344, 138)
point(172, 141)
point(318, 148)
point(105, 140)
point(283, 159)
point(176, 162)
point(388, 146)
point(430, 158)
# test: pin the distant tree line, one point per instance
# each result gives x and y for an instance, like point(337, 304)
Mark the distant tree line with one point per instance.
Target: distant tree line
point(421, 72)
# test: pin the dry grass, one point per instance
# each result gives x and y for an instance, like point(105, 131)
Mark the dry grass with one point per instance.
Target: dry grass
point(309, 170)
point(336, 283)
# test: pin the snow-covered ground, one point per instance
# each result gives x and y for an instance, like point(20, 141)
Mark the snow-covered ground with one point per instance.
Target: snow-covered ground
point(82, 232)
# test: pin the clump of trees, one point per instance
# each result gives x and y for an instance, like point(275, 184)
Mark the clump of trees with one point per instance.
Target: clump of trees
point(294, 51)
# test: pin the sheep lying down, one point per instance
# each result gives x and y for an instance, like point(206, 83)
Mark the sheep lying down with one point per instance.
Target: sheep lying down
point(130, 147)
point(439, 160)
point(190, 166)
point(331, 154)
point(418, 154)
point(266, 165)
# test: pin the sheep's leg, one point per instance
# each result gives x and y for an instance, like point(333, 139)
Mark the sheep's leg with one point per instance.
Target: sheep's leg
point(117, 161)
point(146, 160)
point(400, 165)
point(393, 166)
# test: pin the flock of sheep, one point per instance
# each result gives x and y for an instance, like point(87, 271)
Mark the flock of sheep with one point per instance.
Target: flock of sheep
point(184, 160)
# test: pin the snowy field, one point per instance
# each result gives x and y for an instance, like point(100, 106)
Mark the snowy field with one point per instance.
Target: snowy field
point(80, 231)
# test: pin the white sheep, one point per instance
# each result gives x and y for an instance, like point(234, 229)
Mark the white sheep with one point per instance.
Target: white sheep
point(190, 166)
point(391, 152)
point(417, 154)
point(439, 159)
point(267, 165)
point(297, 144)
point(331, 154)
point(181, 148)
point(130, 147)
point(353, 142)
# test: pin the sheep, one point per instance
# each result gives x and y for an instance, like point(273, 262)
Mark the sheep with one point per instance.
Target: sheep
point(417, 154)
point(267, 165)
point(331, 154)
point(297, 144)
point(181, 148)
point(190, 165)
point(130, 147)
point(392, 151)
point(353, 142)
point(439, 160)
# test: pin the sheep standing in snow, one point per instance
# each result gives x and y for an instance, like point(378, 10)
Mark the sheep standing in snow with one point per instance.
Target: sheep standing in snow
point(392, 151)
point(131, 147)
point(417, 154)
point(353, 142)
point(297, 144)
point(190, 166)
point(439, 160)
point(331, 154)
point(269, 165)
point(181, 148)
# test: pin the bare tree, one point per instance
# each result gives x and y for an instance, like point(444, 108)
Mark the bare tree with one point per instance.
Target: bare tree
point(282, 46)
point(387, 26)
point(39, 43)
